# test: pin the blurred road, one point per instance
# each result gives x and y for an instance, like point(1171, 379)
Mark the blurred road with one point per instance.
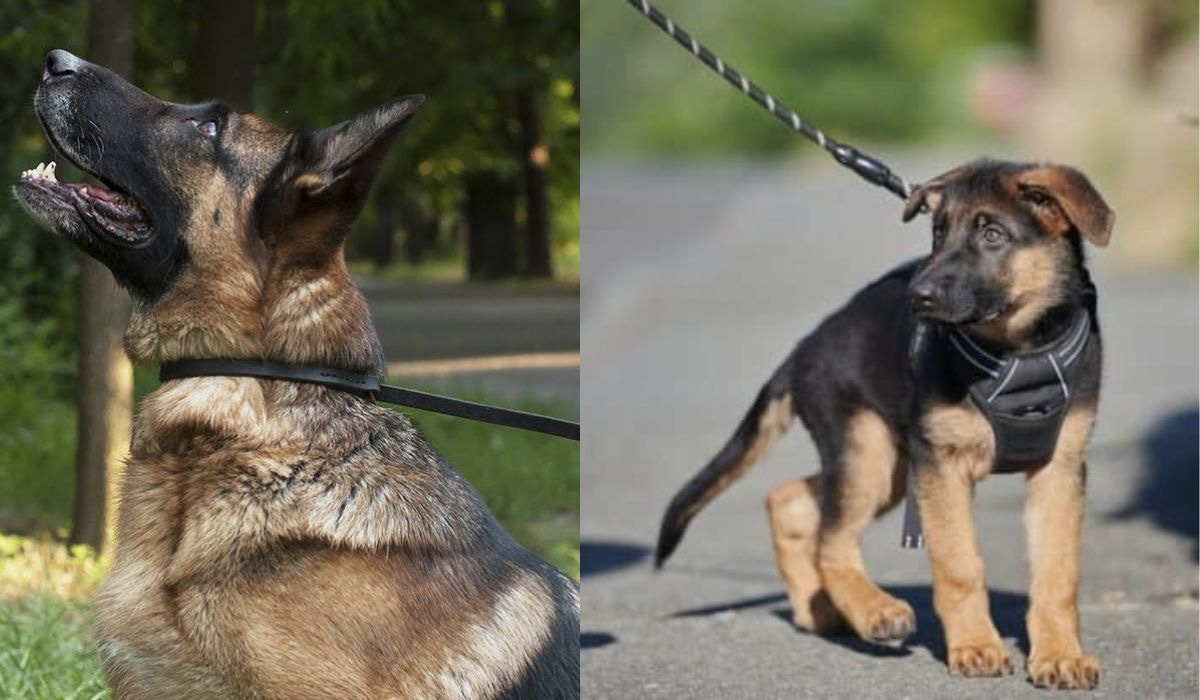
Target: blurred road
point(697, 282)
point(439, 321)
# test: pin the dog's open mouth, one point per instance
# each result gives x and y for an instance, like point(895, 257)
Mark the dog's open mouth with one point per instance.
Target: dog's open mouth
point(107, 212)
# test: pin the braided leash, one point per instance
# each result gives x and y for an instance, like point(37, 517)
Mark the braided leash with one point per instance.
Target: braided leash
point(867, 167)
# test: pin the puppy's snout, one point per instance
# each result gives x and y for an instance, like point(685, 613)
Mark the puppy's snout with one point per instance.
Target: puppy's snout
point(60, 64)
point(924, 295)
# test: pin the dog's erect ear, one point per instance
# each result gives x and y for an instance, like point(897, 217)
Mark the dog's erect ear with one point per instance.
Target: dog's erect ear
point(1063, 198)
point(343, 159)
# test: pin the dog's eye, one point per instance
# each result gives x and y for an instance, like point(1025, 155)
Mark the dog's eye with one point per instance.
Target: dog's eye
point(208, 127)
point(993, 235)
point(1036, 197)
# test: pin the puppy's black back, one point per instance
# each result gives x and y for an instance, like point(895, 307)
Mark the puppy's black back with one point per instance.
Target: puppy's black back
point(855, 359)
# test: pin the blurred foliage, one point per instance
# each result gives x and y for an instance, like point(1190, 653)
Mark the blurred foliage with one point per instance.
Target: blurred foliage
point(320, 62)
point(860, 69)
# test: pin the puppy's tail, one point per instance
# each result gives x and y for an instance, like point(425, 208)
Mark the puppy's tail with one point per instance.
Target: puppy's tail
point(766, 421)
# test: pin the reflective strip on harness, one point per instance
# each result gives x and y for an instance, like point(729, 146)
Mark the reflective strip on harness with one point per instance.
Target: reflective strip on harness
point(1025, 395)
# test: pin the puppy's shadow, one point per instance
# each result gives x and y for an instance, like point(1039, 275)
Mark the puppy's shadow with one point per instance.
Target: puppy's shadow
point(1008, 612)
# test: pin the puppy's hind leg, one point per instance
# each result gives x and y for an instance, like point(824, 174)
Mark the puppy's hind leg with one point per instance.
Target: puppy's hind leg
point(794, 511)
point(861, 485)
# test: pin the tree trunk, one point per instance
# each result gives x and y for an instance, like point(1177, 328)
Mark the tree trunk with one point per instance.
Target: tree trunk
point(105, 390)
point(534, 157)
point(383, 238)
point(492, 237)
point(420, 231)
point(225, 55)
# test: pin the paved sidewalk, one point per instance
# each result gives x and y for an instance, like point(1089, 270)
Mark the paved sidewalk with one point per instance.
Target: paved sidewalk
point(419, 322)
point(696, 284)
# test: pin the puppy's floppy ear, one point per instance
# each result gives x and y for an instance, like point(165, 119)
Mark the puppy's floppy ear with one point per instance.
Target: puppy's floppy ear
point(1063, 198)
point(927, 194)
point(342, 160)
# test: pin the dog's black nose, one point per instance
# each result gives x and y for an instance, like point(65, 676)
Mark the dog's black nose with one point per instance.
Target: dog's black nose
point(60, 63)
point(923, 295)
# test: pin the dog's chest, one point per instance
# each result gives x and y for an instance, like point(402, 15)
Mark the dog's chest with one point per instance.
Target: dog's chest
point(959, 435)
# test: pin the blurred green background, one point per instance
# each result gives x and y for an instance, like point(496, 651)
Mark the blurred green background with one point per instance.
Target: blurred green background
point(871, 69)
point(1107, 86)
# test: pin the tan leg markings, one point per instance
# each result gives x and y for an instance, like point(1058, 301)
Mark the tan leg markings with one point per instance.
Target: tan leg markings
point(1054, 526)
point(794, 511)
point(973, 645)
point(865, 488)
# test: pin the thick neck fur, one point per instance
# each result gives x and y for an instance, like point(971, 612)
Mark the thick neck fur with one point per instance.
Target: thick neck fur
point(314, 315)
point(250, 306)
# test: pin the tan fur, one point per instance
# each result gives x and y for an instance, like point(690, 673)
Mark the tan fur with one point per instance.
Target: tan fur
point(1073, 202)
point(1054, 526)
point(794, 512)
point(191, 529)
point(214, 309)
point(961, 439)
point(1033, 289)
point(280, 540)
point(866, 488)
point(963, 447)
point(775, 421)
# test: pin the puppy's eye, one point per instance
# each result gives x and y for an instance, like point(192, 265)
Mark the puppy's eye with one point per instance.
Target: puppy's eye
point(993, 235)
point(208, 127)
point(1036, 198)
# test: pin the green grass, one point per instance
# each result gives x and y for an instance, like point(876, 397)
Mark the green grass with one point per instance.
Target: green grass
point(46, 650)
point(45, 620)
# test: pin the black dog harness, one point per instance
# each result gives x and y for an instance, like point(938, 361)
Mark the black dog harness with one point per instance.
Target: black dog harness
point(1024, 395)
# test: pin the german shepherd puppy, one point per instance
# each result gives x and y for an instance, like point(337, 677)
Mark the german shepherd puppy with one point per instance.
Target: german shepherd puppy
point(880, 387)
point(277, 539)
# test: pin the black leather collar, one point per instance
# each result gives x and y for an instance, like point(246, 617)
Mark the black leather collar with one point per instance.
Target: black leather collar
point(368, 387)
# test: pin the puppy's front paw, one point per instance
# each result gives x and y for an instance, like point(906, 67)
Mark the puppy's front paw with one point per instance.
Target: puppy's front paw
point(1065, 672)
point(891, 620)
point(980, 661)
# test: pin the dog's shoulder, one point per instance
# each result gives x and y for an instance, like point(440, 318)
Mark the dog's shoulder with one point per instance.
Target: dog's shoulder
point(340, 471)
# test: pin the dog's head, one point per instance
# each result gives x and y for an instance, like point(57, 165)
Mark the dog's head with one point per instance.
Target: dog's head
point(217, 222)
point(1006, 242)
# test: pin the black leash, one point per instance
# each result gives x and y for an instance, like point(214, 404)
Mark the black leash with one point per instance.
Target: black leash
point(868, 168)
point(369, 387)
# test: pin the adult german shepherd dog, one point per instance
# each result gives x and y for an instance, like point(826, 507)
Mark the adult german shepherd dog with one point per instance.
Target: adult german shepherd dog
point(277, 539)
point(983, 357)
